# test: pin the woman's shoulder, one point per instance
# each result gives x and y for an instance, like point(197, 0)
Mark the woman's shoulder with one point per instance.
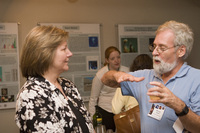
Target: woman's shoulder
point(31, 90)
point(101, 71)
point(34, 83)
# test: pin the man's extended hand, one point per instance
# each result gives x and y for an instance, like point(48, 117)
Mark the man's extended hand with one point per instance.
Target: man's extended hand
point(113, 78)
point(122, 76)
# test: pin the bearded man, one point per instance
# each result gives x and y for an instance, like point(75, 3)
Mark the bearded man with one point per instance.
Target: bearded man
point(176, 84)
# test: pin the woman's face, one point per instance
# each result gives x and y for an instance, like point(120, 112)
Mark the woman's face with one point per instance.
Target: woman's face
point(61, 59)
point(114, 60)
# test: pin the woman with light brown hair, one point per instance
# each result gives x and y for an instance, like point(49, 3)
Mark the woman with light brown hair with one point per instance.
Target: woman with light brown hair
point(48, 102)
point(101, 94)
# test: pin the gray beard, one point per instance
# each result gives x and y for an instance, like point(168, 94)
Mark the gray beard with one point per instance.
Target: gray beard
point(163, 67)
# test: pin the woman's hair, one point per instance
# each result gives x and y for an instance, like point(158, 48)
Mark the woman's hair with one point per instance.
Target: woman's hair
point(142, 61)
point(39, 49)
point(183, 35)
point(108, 51)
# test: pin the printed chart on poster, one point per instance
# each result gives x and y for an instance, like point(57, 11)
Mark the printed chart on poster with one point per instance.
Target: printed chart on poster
point(9, 68)
point(135, 40)
point(84, 43)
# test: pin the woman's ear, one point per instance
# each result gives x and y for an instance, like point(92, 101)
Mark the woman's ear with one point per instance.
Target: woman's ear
point(181, 51)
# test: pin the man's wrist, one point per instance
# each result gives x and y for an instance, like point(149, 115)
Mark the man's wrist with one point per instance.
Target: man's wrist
point(184, 111)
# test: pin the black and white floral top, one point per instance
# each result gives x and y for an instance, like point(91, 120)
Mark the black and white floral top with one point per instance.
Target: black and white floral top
point(41, 107)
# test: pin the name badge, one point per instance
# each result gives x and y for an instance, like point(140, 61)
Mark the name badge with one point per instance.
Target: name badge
point(156, 111)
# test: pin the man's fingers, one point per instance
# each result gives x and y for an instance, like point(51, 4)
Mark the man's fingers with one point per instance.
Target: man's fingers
point(137, 79)
point(130, 78)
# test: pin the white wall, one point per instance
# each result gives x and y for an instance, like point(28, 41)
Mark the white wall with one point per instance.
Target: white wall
point(108, 13)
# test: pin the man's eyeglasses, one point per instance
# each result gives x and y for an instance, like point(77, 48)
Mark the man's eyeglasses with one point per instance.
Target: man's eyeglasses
point(160, 49)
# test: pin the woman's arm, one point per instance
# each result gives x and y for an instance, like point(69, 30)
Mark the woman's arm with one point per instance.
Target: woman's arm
point(95, 92)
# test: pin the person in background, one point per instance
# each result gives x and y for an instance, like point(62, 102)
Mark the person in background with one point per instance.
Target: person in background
point(177, 84)
point(47, 102)
point(142, 61)
point(120, 102)
point(101, 94)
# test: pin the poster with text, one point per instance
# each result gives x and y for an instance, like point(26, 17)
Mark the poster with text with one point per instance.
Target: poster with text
point(9, 65)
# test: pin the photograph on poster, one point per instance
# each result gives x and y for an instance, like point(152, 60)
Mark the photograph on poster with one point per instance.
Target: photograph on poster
point(4, 95)
point(11, 98)
point(7, 99)
point(93, 42)
point(129, 45)
point(92, 63)
point(4, 99)
point(8, 93)
point(4, 91)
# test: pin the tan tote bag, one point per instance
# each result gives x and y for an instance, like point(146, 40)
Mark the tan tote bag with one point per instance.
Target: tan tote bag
point(128, 121)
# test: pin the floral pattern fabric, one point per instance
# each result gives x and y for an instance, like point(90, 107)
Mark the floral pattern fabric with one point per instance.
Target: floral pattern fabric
point(41, 107)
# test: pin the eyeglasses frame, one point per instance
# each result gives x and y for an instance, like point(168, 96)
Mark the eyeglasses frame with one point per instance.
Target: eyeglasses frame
point(158, 49)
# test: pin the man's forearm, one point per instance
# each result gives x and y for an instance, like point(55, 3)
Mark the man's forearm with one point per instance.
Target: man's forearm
point(109, 79)
point(191, 122)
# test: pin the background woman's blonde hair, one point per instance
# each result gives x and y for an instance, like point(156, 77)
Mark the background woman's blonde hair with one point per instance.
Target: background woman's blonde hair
point(39, 49)
point(108, 51)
